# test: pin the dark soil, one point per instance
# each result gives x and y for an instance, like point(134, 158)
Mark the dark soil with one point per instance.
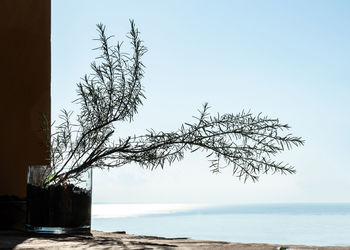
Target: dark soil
point(58, 206)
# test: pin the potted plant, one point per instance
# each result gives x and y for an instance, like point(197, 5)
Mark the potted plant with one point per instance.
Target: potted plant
point(59, 195)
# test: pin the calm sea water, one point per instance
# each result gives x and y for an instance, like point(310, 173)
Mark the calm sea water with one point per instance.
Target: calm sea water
point(311, 224)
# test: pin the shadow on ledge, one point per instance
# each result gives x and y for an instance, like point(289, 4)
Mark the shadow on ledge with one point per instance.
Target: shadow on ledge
point(9, 239)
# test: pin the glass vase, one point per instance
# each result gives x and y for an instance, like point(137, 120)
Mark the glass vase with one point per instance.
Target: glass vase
point(56, 207)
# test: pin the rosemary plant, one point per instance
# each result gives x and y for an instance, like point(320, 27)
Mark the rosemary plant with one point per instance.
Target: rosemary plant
point(113, 93)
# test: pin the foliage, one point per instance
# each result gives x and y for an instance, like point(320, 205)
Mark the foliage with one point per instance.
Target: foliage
point(113, 93)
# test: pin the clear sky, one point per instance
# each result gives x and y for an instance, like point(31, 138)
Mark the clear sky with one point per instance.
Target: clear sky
point(286, 59)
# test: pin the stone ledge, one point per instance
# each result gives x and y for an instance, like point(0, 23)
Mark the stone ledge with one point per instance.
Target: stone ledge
point(121, 240)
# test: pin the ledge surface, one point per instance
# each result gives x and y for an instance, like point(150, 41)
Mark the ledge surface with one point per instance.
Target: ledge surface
point(120, 240)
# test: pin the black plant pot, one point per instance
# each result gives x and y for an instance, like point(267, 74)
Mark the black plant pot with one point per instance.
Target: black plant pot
point(59, 209)
point(12, 212)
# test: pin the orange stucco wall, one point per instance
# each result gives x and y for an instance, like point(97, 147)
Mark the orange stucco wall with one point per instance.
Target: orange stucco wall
point(25, 89)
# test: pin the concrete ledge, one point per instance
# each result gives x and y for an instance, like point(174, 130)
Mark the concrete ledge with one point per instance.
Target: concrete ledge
point(120, 240)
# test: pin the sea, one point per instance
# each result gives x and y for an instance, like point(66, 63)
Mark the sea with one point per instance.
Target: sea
point(318, 224)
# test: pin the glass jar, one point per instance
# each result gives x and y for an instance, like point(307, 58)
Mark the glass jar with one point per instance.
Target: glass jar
point(58, 208)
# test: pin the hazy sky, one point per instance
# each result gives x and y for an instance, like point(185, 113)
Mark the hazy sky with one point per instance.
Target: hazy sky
point(286, 59)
